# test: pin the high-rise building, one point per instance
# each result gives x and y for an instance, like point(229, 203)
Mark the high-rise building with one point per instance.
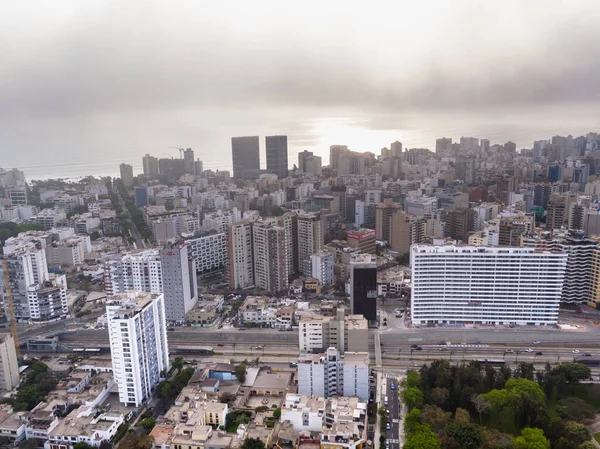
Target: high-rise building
point(330, 374)
point(363, 286)
point(48, 300)
point(246, 157)
point(188, 161)
point(557, 212)
point(209, 251)
point(458, 223)
point(9, 366)
point(241, 264)
point(505, 185)
point(270, 256)
point(142, 196)
point(510, 147)
point(396, 149)
point(180, 284)
point(126, 175)
point(363, 239)
point(150, 165)
point(465, 170)
point(199, 167)
point(314, 165)
point(138, 270)
point(277, 155)
point(406, 230)
point(383, 215)
point(138, 344)
point(443, 146)
point(310, 236)
point(334, 155)
point(345, 333)
point(322, 267)
point(289, 221)
point(303, 156)
point(469, 145)
point(484, 146)
point(484, 285)
point(27, 266)
point(171, 168)
point(511, 230)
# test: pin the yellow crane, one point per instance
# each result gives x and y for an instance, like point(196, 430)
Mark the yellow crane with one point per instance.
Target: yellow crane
point(10, 307)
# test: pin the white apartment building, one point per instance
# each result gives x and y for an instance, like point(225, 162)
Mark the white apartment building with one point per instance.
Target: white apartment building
point(345, 333)
point(138, 270)
point(241, 264)
point(220, 220)
point(324, 375)
point(208, 251)
point(9, 366)
point(322, 267)
point(179, 280)
point(310, 236)
point(138, 344)
point(48, 300)
point(421, 206)
point(48, 218)
point(469, 284)
point(303, 412)
point(66, 252)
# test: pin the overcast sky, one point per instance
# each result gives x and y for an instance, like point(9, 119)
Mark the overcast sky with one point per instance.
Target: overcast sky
point(122, 78)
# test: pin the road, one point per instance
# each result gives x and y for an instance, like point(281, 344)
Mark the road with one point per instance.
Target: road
point(133, 228)
point(393, 407)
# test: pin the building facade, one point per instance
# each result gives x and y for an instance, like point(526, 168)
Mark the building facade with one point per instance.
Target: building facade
point(9, 366)
point(277, 155)
point(246, 157)
point(241, 262)
point(180, 284)
point(467, 284)
point(363, 286)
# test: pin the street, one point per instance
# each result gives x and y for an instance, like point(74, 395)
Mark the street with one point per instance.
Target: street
point(393, 407)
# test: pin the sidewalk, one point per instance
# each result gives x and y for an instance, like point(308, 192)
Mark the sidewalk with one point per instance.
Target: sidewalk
point(379, 394)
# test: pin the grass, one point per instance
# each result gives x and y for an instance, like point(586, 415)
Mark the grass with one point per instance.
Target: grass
point(597, 437)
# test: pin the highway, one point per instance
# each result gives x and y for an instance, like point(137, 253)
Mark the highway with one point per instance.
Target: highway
point(393, 407)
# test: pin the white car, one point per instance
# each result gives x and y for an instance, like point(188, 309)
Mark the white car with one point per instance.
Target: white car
point(537, 342)
point(575, 351)
point(528, 350)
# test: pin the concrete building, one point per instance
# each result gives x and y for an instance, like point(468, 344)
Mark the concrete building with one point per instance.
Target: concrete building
point(303, 157)
point(180, 284)
point(310, 237)
point(289, 221)
point(363, 286)
point(383, 215)
point(126, 175)
point(504, 186)
point(48, 300)
point(458, 223)
point(314, 165)
point(246, 157)
point(556, 217)
point(322, 268)
point(467, 284)
point(363, 239)
point(269, 256)
point(138, 344)
point(241, 262)
point(138, 270)
point(421, 206)
point(277, 155)
point(142, 196)
point(329, 374)
point(209, 251)
point(345, 333)
point(465, 170)
point(9, 366)
point(188, 161)
point(150, 165)
point(406, 230)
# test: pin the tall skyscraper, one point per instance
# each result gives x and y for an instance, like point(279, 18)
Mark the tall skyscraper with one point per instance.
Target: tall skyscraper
point(363, 286)
point(241, 264)
point(484, 146)
point(245, 153)
point(443, 146)
point(150, 164)
point(126, 175)
point(465, 170)
point(289, 221)
point(310, 237)
point(396, 149)
point(383, 214)
point(188, 161)
point(277, 155)
point(138, 344)
point(334, 154)
point(180, 285)
point(270, 255)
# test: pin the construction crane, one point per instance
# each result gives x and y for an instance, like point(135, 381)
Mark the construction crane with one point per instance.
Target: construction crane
point(10, 307)
point(181, 150)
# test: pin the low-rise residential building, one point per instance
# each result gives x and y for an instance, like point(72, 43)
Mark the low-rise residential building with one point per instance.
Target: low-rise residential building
point(206, 311)
point(271, 383)
point(12, 425)
point(392, 281)
point(303, 412)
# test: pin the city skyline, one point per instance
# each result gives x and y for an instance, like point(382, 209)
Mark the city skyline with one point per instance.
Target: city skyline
point(141, 92)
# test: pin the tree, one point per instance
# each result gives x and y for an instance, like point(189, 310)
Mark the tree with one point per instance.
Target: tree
point(481, 404)
point(576, 432)
point(526, 371)
point(277, 413)
point(573, 372)
point(133, 441)
point(227, 398)
point(435, 417)
point(574, 409)
point(439, 396)
point(253, 443)
point(148, 423)
point(411, 422)
point(240, 372)
point(461, 416)
point(531, 438)
point(464, 436)
point(412, 380)
point(177, 364)
point(424, 438)
point(412, 397)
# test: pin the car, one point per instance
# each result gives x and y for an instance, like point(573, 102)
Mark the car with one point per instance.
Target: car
point(387, 445)
point(220, 344)
point(393, 387)
point(478, 342)
point(414, 346)
point(539, 353)
point(579, 311)
point(171, 329)
point(528, 350)
point(293, 365)
point(575, 351)
point(258, 347)
point(509, 351)
point(537, 342)
point(418, 348)
point(587, 354)
point(220, 326)
point(387, 426)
